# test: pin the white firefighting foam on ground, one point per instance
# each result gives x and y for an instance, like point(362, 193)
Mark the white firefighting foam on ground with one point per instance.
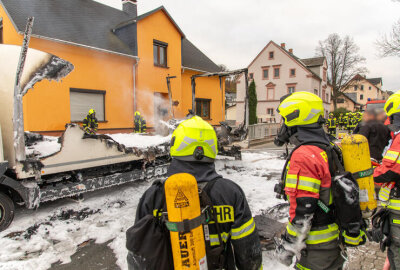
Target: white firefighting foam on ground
point(38, 239)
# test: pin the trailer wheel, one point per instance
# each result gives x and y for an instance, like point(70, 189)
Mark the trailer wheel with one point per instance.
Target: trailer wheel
point(6, 211)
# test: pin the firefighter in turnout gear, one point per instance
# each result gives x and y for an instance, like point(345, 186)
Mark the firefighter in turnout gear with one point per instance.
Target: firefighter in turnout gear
point(193, 151)
point(311, 234)
point(90, 123)
point(331, 125)
point(389, 194)
point(341, 121)
point(140, 123)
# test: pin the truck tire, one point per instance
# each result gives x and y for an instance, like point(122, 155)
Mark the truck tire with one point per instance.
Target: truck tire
point(6, 211)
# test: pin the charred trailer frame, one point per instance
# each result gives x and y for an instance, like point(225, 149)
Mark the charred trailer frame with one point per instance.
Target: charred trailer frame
point(223, 148)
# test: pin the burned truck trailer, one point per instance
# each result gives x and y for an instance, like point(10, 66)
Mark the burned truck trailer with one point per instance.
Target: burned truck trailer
point(81, 162)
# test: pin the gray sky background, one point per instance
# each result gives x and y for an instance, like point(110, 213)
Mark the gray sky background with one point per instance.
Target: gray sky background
point(233, 32)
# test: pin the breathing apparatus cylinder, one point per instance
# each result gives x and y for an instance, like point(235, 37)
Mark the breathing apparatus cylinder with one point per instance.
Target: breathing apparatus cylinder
point(183, 206)
point(357, 160)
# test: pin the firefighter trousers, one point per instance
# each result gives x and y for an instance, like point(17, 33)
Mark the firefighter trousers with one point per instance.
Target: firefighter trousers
point(393, 252)
point(320, 257)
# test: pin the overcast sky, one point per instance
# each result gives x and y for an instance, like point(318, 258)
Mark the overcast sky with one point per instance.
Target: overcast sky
point(233, 32)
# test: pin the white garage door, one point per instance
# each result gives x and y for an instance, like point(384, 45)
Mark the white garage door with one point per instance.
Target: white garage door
point(83, 100)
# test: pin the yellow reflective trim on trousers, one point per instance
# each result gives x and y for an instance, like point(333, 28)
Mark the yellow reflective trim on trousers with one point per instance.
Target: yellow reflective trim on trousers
point(244, 230)
point(299, 266)
point(396, 221)
point(214, 239)
point(317, 236)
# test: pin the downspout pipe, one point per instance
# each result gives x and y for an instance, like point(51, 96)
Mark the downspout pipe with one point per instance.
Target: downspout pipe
point(134, 89)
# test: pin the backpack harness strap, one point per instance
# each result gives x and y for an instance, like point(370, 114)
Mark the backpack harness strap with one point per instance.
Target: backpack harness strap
point(187, 225)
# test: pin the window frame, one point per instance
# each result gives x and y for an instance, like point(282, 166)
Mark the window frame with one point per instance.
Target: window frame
point(290, 73)
point(263, 70)
point(160, 44)
point(279, 72)
point(362, 87)
point(272, 110)
point(201, 100)
point(361, 97)
point(90, 91)
point(251, 76)
point(269, 55)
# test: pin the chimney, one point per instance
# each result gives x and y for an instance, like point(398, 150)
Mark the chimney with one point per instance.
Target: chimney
point(130, 7)
point(283, 45)
point(291, 51)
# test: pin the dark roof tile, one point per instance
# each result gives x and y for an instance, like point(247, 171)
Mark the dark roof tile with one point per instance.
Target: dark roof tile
point(193, 58)
point(312, 62)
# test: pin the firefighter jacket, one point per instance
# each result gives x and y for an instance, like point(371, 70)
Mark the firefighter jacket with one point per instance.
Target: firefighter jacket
point(140, 124)
point(389, 172)
point(307, 183)
point(233, 213)
point(90, 124)
point(389, 194)
point(331, 123)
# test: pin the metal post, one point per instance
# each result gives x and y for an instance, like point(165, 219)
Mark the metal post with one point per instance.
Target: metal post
point(194, 95)
point(170, 95)
point(246, 99)
point(222, 97)
point(18, 116)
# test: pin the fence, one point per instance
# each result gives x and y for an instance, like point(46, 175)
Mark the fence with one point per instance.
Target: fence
point(263, 131)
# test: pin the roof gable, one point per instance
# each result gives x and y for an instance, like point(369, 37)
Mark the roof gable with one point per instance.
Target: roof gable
point(78, 22)
point(290, 55)
point(162, 9)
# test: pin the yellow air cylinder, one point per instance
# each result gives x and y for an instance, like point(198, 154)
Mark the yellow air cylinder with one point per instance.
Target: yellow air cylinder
point(357, 160)
point(183, 203)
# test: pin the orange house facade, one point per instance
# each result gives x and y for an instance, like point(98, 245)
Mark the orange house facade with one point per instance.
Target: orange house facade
point(121, 62)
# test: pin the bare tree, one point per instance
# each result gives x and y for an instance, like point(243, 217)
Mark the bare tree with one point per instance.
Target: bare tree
point(344, 61)
point(390, 45)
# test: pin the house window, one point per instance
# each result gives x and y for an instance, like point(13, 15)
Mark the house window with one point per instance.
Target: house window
point(355, 87)
point(271, 55)
point(291, 89)
point(1, 30)
point(362, 87)
point(160, 53)
point(370, 88)
point(293, 72)
point(340, 100)
point(270, 93)
point(82, 100)
point(270, 111)
point(251, 76)
point(265, 73)
point(361, 97)
point(203, 108)
point(316, 92)
point(324, 75)
point(276, 73)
